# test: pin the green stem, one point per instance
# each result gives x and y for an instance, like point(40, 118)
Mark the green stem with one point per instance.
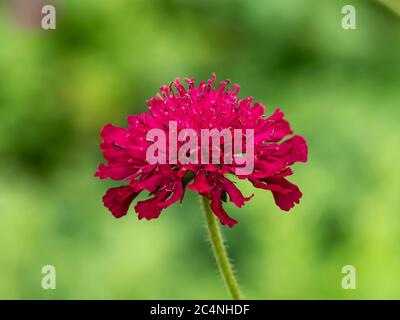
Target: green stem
point(220, 253)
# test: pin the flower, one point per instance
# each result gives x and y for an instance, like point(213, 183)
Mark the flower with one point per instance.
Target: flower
point(198, 108)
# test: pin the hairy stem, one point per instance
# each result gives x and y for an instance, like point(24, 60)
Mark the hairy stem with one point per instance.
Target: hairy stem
point(220, 252)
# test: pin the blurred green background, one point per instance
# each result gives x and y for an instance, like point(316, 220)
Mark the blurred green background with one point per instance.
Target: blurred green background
point(339, 88)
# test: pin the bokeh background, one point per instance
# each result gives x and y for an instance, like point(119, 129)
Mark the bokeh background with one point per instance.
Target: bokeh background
point(339, 88)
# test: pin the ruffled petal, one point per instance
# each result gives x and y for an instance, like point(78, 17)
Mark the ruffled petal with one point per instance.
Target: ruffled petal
point(216, 207)
point(150, 209)
point(118, 200)
point(119, 171)
point(234, 193)
point(200, 183)
point(274, 158)
point(175, 195)
point(286, 194)
point(273, 129)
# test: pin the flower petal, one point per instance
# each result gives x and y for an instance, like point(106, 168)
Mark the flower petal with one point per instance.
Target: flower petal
point(234, 193)
point(118, 200)
point(216, 207)
point(285, 193)
point(150, 209)
point(200, 183)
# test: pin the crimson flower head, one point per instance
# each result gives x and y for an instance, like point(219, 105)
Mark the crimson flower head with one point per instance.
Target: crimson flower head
point(228, 137)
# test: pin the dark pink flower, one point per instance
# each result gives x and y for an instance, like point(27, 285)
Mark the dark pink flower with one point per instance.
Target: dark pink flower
point(201, 107)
